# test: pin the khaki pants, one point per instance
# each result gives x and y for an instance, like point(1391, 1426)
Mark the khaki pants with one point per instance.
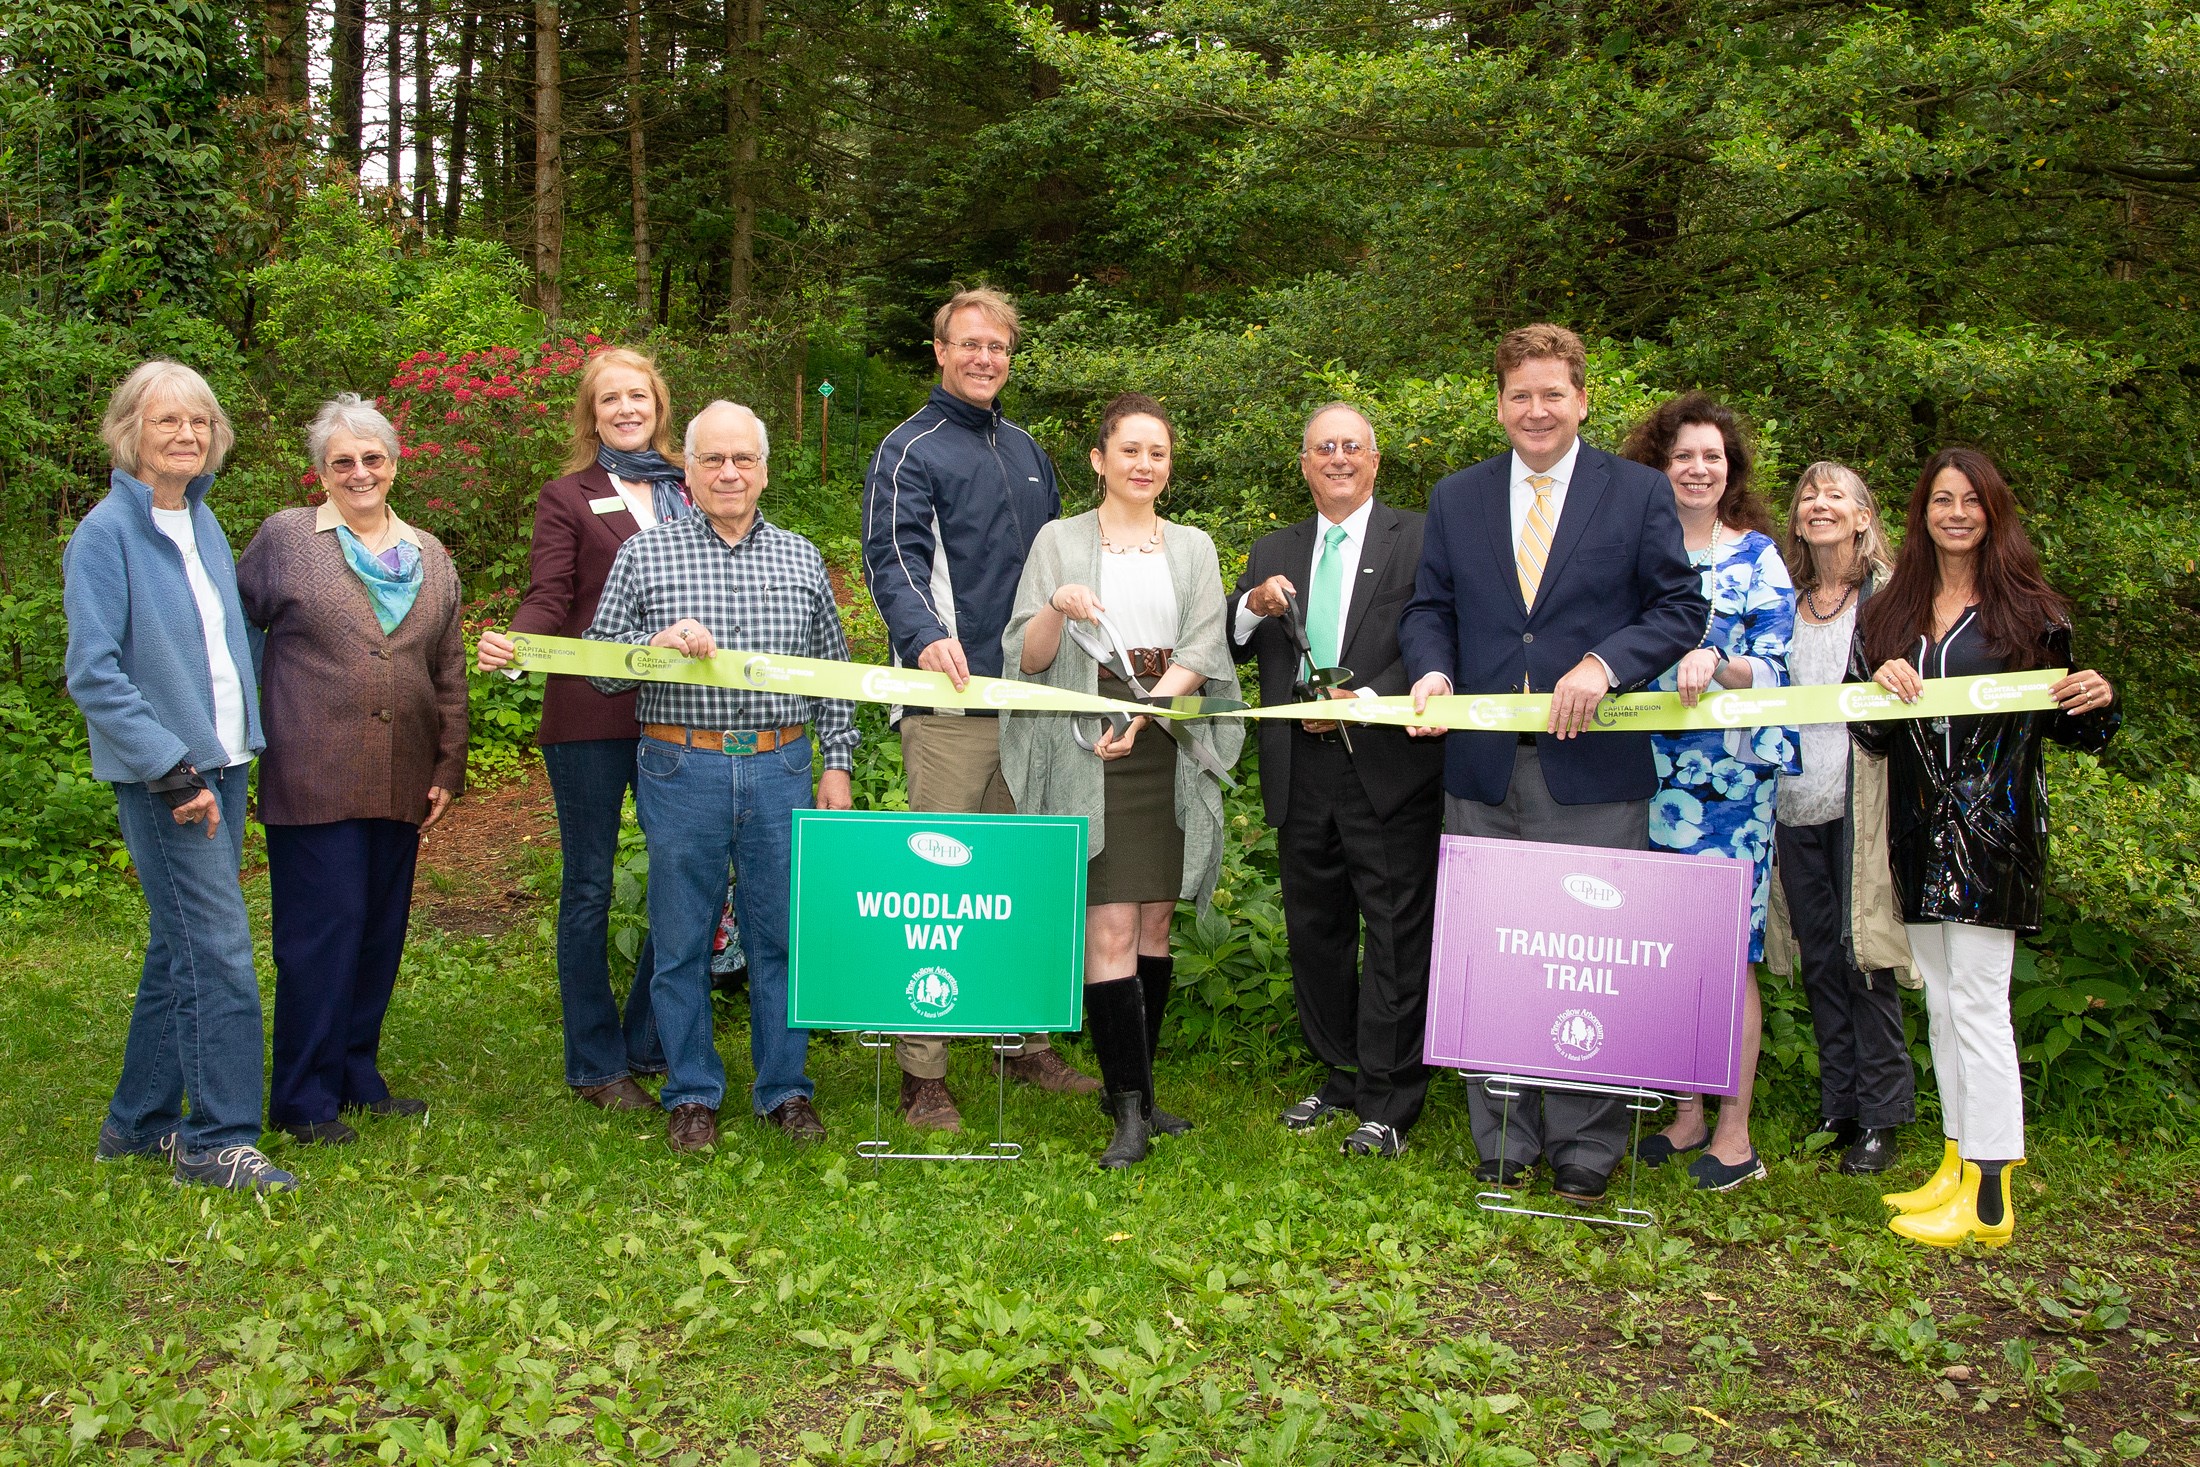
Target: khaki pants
point(953, 767)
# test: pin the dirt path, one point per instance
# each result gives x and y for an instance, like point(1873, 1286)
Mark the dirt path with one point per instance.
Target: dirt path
point(484, 867)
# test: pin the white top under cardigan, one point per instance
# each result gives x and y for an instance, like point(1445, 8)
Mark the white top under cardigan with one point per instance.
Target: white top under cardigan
point(1045, 769)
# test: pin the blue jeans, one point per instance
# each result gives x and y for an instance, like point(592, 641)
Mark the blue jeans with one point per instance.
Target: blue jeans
point(342, 896)
point(589, 780)
point(195, 1029)
point(700, 809)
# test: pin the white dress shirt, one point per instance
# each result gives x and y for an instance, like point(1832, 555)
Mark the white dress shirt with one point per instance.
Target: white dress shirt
point(640, 500)
point(1523, 497)
point(1522, 504)
point(1348, 552)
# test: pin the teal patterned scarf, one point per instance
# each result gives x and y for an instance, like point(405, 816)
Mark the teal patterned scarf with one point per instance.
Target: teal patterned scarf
point(392, 589)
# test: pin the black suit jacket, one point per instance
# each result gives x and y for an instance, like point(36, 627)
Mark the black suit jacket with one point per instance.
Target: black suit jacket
point(1394, 769)
point(1618, 583)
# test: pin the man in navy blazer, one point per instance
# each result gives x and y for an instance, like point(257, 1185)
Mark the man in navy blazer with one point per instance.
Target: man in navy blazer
point(1555, 568)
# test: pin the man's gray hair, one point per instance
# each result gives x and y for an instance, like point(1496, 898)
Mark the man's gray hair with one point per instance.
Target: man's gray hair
point(1351, 407)
point(152, 382)
point(763, 434)
point(347, 412)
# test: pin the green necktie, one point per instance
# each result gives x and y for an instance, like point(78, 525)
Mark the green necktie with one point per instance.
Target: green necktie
point(1324, 611)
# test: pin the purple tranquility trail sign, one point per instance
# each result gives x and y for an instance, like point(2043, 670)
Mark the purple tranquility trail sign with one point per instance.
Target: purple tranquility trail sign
point(1604, 967)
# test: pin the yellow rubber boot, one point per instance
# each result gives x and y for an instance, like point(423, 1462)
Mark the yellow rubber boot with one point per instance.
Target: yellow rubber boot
point(1957, 1219)
point(1938, 1188)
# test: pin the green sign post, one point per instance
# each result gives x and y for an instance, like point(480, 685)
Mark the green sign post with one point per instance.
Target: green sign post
point(937, 924)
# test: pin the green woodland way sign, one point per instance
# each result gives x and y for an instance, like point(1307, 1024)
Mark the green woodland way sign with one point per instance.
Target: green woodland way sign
point(937, 924)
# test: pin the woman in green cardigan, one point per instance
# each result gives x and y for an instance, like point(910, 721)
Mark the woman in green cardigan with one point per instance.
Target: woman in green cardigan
point(1156, 813)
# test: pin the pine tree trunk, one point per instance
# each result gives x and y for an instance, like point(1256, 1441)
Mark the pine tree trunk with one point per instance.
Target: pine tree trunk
point(395, 55)
point(462, 106)
point(423, 180)
point(348, 81)
point(744, 121)
point(637, 159)
point(283, 50)
point(549, 161)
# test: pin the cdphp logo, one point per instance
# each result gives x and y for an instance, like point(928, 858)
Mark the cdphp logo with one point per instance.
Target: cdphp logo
point(1592, 891)
point(940, 850)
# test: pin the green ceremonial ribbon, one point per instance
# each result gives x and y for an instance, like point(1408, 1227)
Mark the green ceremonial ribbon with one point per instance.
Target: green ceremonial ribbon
point(810, 677)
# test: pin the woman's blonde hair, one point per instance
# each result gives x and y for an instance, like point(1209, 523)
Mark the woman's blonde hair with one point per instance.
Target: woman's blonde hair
point(124, 426)
point(1874, 557)
point(581, 453)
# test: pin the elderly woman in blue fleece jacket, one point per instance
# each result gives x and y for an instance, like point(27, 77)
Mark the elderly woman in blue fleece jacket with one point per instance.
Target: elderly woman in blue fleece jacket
point(159, 663)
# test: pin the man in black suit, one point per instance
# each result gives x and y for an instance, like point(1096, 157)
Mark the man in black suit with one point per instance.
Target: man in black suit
point(1554, 568)
point(1356, 825)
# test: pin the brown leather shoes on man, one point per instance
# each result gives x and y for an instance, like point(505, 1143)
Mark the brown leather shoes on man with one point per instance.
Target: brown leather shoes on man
point(619, 1094)
point(692, 1127)
point(926, 1105)
point(1049, 1071)
point(797, 1118)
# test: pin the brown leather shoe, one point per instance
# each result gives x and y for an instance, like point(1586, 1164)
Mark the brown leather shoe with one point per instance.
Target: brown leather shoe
point(1049, 1071)
point(926, 1105)
point(693, 1127)
point(619, 1094)
point(797, 1118)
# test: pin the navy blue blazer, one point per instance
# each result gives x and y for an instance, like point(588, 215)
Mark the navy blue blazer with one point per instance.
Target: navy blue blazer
point(1618, 583)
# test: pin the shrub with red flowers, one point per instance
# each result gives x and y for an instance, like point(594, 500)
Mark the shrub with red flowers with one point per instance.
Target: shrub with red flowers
point(480, 434)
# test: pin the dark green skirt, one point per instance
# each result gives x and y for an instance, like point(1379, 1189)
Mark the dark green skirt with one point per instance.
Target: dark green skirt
point(1142, 858)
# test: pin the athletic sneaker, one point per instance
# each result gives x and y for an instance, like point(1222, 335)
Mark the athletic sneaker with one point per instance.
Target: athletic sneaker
point(113, 1148)
point(238, 1168)
point(1309, 1113)
point(1373, 1138)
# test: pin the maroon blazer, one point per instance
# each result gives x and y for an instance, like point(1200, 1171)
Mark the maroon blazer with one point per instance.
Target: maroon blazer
point(572, 553)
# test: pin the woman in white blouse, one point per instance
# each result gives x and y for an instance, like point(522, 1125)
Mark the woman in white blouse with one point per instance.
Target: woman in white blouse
point(1156, 815)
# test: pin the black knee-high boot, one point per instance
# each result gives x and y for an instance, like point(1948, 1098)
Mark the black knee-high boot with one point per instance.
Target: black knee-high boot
point(1157, 976)
point(1117, 1011)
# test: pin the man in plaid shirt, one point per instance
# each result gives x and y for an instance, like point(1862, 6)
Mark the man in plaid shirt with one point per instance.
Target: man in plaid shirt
point(723, 769)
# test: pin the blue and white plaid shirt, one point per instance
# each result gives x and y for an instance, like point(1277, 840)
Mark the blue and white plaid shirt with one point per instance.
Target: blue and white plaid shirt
point(766, 593)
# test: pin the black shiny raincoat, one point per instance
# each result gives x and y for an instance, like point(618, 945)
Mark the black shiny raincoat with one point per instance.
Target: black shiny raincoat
point(1967, 801)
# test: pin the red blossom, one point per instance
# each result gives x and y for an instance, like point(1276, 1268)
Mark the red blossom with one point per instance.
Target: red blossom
point(453, 416)
point(309, 478)
point(407, 451)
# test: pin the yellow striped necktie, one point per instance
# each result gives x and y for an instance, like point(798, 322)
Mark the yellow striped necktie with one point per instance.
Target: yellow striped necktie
point(1535, 538)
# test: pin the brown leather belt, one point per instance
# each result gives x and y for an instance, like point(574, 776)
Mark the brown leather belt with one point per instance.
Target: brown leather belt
point(1147, 662)
point(727, 741)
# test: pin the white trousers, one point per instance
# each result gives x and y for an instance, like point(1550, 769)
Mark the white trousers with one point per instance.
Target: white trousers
point(1966, 971)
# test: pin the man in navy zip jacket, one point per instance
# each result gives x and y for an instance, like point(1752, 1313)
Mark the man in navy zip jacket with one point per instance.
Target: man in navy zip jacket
point(1554, 568)
point(953, 500)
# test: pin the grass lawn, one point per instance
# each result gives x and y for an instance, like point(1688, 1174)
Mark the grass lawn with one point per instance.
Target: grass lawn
point(525, 1277)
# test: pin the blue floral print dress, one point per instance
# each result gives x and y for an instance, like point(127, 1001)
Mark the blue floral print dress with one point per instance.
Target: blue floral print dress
point(1716, 787)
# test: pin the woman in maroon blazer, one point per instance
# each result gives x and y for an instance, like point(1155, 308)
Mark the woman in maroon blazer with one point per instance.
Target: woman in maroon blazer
point(621, 478)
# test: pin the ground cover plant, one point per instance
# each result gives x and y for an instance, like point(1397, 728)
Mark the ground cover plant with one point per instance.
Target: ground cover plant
point(525, 1278)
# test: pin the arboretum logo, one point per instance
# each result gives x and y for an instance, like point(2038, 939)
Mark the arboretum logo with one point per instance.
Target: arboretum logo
point(940, 850)
point(1577, 1034)
point(932, 992)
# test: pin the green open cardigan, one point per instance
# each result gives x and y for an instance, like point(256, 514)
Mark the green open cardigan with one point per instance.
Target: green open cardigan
point(1046, 770)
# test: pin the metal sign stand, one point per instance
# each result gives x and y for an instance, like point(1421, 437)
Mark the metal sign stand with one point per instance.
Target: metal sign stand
point(1641, 1102)
point(1000, 1148)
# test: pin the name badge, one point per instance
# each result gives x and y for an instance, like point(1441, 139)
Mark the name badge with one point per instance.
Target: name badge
point(610, 505)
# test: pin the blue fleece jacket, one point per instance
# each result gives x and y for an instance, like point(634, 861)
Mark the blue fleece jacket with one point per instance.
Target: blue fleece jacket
point(954, 498)
point(137, 663)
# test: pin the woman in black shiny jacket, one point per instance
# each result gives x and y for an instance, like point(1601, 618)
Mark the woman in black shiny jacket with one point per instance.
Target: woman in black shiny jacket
point(1967, 812)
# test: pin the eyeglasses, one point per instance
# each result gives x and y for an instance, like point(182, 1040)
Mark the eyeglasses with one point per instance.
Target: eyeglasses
point(1331, 448)
point(999, 349)
point(344, 467)
point(174, 423)
point(712, 463)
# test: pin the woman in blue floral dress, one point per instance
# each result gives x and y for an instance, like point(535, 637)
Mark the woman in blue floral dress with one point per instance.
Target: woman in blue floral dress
point(1717, 787)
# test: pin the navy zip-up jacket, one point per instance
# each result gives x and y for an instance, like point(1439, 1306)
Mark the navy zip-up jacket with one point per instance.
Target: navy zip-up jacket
point(953, 500)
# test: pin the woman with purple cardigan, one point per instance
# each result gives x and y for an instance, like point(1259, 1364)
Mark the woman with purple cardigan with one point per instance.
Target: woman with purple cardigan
point(364, 682)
